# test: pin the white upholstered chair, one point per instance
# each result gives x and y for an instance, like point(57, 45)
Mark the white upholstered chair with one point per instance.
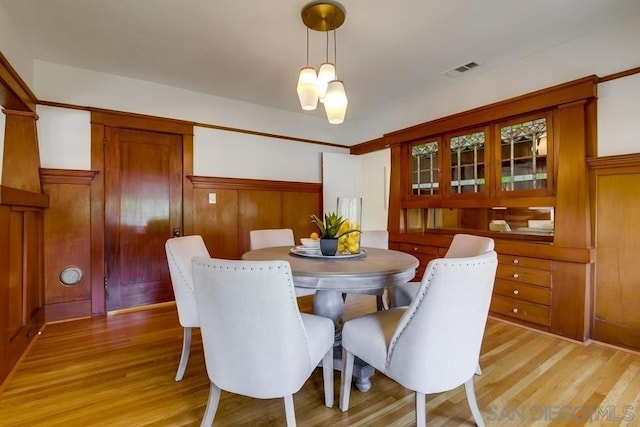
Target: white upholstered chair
point(433, 345)
point(269, 238)
point(256, 342)
point(272, 237)
point(180, 251)
point(462, 245)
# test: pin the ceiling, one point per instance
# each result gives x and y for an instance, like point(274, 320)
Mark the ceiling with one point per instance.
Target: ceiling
point(387, 51)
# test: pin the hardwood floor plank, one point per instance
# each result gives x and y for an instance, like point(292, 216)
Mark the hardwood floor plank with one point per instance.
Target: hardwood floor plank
point(118, 370)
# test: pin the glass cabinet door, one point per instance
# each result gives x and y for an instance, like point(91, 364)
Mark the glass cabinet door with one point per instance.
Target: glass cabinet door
point(466, 162)
point(425, 168)
point(523, 155)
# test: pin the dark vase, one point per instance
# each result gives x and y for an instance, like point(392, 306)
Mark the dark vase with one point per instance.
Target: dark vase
point(328, 247)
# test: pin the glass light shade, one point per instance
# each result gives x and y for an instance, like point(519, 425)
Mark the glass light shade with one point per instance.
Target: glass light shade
point(308, 88)
point(335, 102)
point(326, 73)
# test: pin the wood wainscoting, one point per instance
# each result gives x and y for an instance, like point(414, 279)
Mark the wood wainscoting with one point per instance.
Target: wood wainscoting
point(226, 210)
point(617, 284)
point(67, 228)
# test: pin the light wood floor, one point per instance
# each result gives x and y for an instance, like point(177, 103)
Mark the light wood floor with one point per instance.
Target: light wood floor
point(118, 371)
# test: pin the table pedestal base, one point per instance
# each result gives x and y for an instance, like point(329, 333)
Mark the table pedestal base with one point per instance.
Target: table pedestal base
point(331, 304)
point(362, 372)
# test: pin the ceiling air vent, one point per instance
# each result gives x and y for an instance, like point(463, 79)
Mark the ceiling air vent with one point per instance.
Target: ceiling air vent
point(456, 71)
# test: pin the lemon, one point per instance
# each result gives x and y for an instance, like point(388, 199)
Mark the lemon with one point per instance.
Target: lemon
point(314, 236)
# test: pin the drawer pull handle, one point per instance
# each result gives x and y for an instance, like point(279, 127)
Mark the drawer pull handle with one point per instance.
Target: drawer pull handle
point(515, 310)
point(516, 292)
point(516, 275)
point(516, 261)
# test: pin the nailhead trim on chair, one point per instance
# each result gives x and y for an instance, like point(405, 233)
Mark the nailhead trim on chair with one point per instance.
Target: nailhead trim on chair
point(420, 297)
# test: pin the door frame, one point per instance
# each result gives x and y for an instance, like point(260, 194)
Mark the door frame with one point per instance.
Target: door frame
point(100, 120)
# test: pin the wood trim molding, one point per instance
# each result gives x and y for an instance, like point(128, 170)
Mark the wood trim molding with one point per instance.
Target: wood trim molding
point(619, 75)
point(16, 197)
point(66, 176)
point(618, 161)
point(10, 112)
point(551, 97)
point(100, 120)
point(140, 121)
point(253, 184)
point(14, 92)
point(370, 146)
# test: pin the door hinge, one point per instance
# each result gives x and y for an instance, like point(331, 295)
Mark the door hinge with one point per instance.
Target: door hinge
point(105, 283)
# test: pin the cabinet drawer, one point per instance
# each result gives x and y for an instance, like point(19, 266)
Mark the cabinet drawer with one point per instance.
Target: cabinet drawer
point(520, 310)
point(523, 274)
point(419, 249)
point(540, 264)
point(522, 291)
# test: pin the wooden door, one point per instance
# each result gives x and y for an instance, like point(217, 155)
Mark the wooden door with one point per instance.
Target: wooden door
point(143, 205)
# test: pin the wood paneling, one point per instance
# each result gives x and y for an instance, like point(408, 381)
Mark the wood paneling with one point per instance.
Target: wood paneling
point(243, 205)
point(617, 294)
point(14, 92)
point(67, 237)
point(547, 98)
point(21, 281)
point(21, 222)
point(21, 160)
point(217, 223)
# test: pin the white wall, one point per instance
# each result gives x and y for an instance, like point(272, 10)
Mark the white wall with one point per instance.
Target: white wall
point(237, 155)
point(64, 138)
point(375, 172)
point(606, 51)
point(365, 176)
point(619, 116)
point(76, 86)
point(14, 49)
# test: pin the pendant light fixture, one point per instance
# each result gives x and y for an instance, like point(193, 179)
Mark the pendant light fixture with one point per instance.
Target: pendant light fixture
point(325, 86)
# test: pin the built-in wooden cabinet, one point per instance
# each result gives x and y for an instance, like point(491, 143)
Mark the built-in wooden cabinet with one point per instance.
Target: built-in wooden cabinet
point(514, 171)
point(522, 290)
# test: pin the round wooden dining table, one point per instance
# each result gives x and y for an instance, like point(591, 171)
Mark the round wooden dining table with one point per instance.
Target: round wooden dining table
point(368, 273)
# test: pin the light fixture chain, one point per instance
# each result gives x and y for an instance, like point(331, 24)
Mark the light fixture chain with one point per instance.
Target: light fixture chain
point(307, 46)
point(335, 53)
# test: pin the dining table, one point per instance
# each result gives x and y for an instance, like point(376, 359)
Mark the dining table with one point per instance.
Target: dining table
point(370, 271)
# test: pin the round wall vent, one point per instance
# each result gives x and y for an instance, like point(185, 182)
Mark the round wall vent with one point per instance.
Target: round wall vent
point(70, 276)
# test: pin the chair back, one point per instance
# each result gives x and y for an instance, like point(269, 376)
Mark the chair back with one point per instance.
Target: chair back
point(268, 238)
point(180, 251)
point(374, 239)
point(465, 245)
point(254, 340)
point(436, 344)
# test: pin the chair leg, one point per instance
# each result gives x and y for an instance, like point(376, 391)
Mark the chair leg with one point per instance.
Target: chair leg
point(473, 404)
point(421, 412)
point(478, 369)
point(212, 406)
point(345, 379)
point(327, 375)
point(289, 410)
point(184, 358)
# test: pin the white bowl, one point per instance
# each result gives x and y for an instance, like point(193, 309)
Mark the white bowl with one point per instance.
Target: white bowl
point(310, 243)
